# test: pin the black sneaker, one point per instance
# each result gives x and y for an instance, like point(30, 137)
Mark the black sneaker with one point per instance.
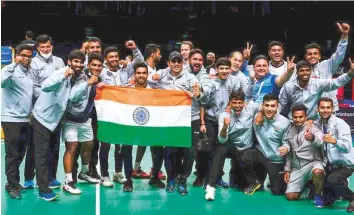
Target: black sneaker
point(20, 188)
point(128, 186)
point(251, 189)
point(94, 174)
point(13, 191)
point(350, 207)
point(156, 183)
point(198, 182)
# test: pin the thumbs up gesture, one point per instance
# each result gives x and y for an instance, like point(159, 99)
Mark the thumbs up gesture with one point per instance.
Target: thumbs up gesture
point(196, 90)
point(308, 135)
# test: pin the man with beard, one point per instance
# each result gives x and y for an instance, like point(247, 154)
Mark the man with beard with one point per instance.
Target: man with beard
point(178, 79)
point(327, 68)
point(17, 92)
point(277, 66)
point(44, 65)
point(268, 155)
point(218, 99)
point(153, 57)
point(264, 82)
point(306, 90)
point(186, 47)
point(115, 76)
point(235, 137)
point(303, 157)
point(48, 111)
point(94, 46)
point(77, 128)
point(338, 153)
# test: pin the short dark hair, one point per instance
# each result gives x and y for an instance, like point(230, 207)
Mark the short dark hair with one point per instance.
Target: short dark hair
point(302, 64)
point(22, 47)
point(270, 97)
point(260, 57)
point(223, 61)
point(95, 56)
point(110, 49)
point(188, 43)
point(150, 49)
point(313, 46)
point(275, 43)
point(139, 65)
point(238, 95)
point(195, 51)
point(95, 39)
point(299, 108)
point(324, 99)
point(76, 54)
point(43, 39)
point(29, 34)
point(234, 52)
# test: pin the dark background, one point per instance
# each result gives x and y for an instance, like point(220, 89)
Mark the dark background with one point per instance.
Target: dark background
point(294, 23)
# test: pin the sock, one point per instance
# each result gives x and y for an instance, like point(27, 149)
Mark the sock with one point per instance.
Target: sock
point(84, 168)
point(137, 165)
point(68, 177)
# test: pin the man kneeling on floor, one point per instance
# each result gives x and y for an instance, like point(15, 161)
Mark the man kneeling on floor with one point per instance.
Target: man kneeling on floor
point(303, 158)
point(77, 126)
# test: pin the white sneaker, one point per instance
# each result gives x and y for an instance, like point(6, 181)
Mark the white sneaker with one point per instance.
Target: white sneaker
point(210, 193)
point(119, 177)
point(106, 182)
point(71, 188)
point(88, 178)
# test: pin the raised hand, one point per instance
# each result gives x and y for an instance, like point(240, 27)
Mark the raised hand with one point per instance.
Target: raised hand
point(344, 28)
point(291, 64)
point(196, 90)
point(308, 135)
point(351, 71)
point(328, 138)
point(92, 80)
point(68, 72)
point(247, 51)
point(130, 45)
point(227, 121)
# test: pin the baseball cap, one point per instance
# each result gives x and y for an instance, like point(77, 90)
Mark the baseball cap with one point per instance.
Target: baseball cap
point(175, 54)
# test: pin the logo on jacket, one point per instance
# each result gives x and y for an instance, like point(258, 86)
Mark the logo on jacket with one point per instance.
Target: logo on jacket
point(141, 116)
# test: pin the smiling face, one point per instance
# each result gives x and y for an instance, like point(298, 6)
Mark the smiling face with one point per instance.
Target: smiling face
point(299, 118)
point(95, 67)
point(236, 61)
point(304, 73)
point(112, 59)
point(276, 53)
point(223, 72)
point(76, 65)
point(270, 108)
point(237, 105)
point(313, 55)
point(141, 75)
point(261, 68)
point(196, 62)
point(325, 109)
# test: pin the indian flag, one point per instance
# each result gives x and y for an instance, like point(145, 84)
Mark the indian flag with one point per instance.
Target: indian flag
point(144, 117)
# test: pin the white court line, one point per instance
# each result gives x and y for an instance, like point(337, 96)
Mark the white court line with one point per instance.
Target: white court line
point(98, 187)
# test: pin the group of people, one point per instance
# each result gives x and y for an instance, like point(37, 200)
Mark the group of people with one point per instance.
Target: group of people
point(277, 119)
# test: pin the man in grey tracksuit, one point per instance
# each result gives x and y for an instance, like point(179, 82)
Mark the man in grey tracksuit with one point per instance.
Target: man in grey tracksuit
point(235, 137)
point(48, 112)
point(175, 78)
point(327, 68)
point(267, 156)
point(16, 104)
point(304, 157)
point(305, 90)
point(44, 65)
point(338, 154)
point(218, 99)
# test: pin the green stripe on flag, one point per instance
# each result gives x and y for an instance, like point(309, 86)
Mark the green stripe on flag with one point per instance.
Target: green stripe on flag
point(144, 136)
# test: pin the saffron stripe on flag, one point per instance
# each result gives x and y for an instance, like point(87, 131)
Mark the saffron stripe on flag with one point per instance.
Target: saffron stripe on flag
point(143, 96)
point(144, 136)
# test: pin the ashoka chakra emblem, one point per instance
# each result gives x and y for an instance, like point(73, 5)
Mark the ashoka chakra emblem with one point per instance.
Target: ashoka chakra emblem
point(141, 116)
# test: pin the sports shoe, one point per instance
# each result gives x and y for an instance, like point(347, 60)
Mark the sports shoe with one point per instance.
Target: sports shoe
point(13, 192)
point(106, 182)
point(318, 200)
point(48, 196)
point(350, 207)
point(161, 175)
point(221, 183)
point(329, 199)
point(210, 193)
point(28, 184)
point(170, 188)
point(182, 189)
point(198, 182)
point(87, 177)
point(140, 174)
point(20, 188)
point(94, 174)
point(251, 189)
point(54, 184)
point(71, 188)
point(156, 182)
point(119, 177)
point(128, 186)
